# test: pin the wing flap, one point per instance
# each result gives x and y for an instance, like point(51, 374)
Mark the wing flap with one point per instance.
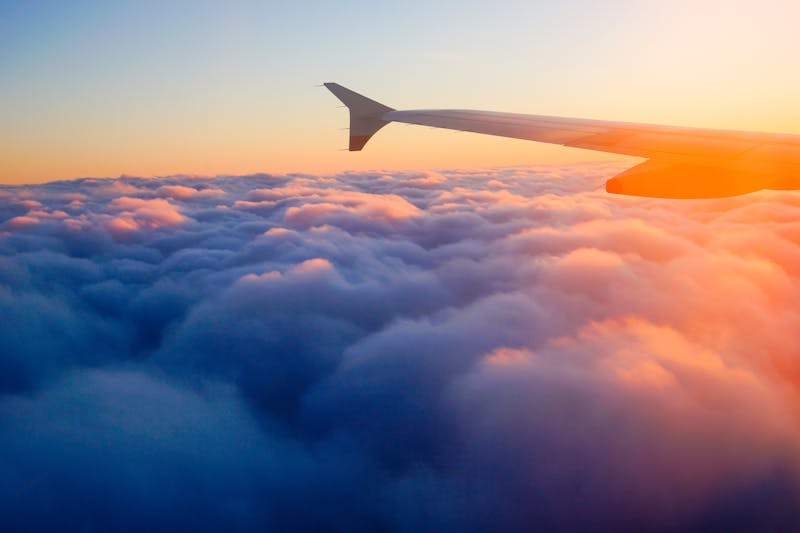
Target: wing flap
point(655, 179)
point(775, 152)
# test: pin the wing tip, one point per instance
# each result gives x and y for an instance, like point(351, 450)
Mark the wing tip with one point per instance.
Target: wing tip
point(357, 142)
point(366, 115)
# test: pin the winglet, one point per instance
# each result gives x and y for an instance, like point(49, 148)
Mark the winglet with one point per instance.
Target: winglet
point(366, 116)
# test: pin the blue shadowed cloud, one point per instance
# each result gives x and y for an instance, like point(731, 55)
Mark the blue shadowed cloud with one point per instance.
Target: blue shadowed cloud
point(510, 349)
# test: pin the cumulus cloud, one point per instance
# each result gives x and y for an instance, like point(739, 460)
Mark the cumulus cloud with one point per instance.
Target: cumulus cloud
point(511, 349)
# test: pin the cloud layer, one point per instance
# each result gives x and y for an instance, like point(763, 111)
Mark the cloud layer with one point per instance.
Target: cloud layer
point(500, 350)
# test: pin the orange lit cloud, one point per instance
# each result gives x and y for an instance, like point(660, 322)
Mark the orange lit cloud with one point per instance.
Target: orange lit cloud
point(474, 337)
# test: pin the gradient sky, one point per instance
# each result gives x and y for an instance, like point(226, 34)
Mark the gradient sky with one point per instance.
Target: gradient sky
point(95, 88)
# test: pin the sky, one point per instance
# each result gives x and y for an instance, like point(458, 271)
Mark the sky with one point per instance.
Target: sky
point(102, 89)
point(213, 318)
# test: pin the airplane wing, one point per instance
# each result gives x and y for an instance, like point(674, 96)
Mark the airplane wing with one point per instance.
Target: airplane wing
point(681, 162)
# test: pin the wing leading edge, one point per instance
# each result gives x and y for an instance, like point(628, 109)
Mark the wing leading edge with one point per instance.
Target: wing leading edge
point(681, 162)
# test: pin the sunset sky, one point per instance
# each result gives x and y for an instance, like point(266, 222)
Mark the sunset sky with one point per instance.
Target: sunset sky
point(95, 88)
point(212, 318)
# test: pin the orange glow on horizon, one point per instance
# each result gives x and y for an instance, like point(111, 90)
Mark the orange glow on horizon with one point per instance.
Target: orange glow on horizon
point(228, 105)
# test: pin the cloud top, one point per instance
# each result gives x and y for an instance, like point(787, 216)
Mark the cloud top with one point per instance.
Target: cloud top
point(510, 349)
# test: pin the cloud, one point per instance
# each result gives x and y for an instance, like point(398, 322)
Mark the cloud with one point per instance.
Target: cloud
point(130, 214)
point(511, 349)
point(181, 192)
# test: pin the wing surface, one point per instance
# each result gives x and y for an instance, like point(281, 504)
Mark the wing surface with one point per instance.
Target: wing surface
point(682, 162)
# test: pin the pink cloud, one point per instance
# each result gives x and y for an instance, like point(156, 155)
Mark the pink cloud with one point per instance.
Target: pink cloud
point(21, 222)
point(311, 266)
point(364, 206)
point(465, 339)
point(137, 213)
point(180, 192)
